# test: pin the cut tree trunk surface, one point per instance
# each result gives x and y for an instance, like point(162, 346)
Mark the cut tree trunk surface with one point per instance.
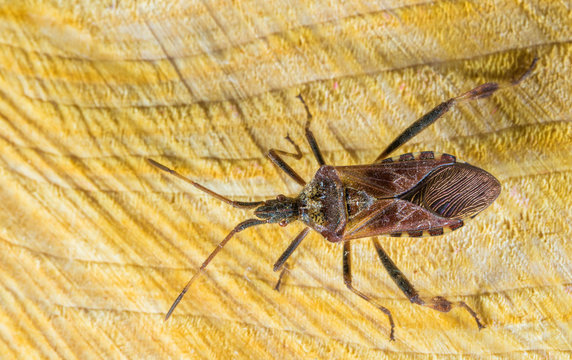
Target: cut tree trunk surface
point(96, 243)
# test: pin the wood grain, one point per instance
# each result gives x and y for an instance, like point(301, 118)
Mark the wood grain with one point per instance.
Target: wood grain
point(95, 243)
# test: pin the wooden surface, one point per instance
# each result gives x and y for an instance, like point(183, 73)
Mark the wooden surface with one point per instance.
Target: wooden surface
point(95, 243)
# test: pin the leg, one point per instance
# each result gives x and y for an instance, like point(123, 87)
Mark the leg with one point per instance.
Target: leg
point(437, 303)
point(280, 263)
point(310, 136)
point(274, 156)
point(277, 160)
point(293, 245)
point(297, 155)
point(285, 268)
point(479, 92)
point(236, 204)
point(348, 282)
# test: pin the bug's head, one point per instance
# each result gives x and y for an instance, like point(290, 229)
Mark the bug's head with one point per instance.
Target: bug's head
point(281, 210)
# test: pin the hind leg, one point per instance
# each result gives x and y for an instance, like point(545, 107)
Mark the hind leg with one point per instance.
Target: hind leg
point(482, 91)
point(438, 303)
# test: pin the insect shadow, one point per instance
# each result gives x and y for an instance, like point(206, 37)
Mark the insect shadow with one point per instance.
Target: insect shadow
point(415, 194)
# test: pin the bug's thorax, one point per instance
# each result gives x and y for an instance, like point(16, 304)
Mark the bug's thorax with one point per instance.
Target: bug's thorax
point(322, 204)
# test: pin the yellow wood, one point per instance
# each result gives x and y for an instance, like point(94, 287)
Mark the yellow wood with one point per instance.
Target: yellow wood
point(96, 244)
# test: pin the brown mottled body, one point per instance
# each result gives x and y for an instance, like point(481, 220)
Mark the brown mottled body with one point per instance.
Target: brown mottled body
point(415, 194)
point(418, 194)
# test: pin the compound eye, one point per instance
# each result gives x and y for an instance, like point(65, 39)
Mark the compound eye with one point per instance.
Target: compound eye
point(283, 223)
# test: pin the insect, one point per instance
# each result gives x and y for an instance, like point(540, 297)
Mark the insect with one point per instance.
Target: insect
point(415, 194)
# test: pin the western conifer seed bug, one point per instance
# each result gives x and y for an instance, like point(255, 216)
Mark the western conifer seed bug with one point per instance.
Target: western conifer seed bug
point(415, 194)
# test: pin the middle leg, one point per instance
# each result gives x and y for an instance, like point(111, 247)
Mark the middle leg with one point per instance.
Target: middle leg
point(348, 283)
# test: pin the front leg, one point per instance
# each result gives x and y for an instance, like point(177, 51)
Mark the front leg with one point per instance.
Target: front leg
point(310, 136)
point(274, 156)
point(281, 262)
point(438, 303)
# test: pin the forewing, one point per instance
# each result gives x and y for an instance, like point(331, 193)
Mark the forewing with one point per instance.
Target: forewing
point(397, 217)
point(392, 176)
